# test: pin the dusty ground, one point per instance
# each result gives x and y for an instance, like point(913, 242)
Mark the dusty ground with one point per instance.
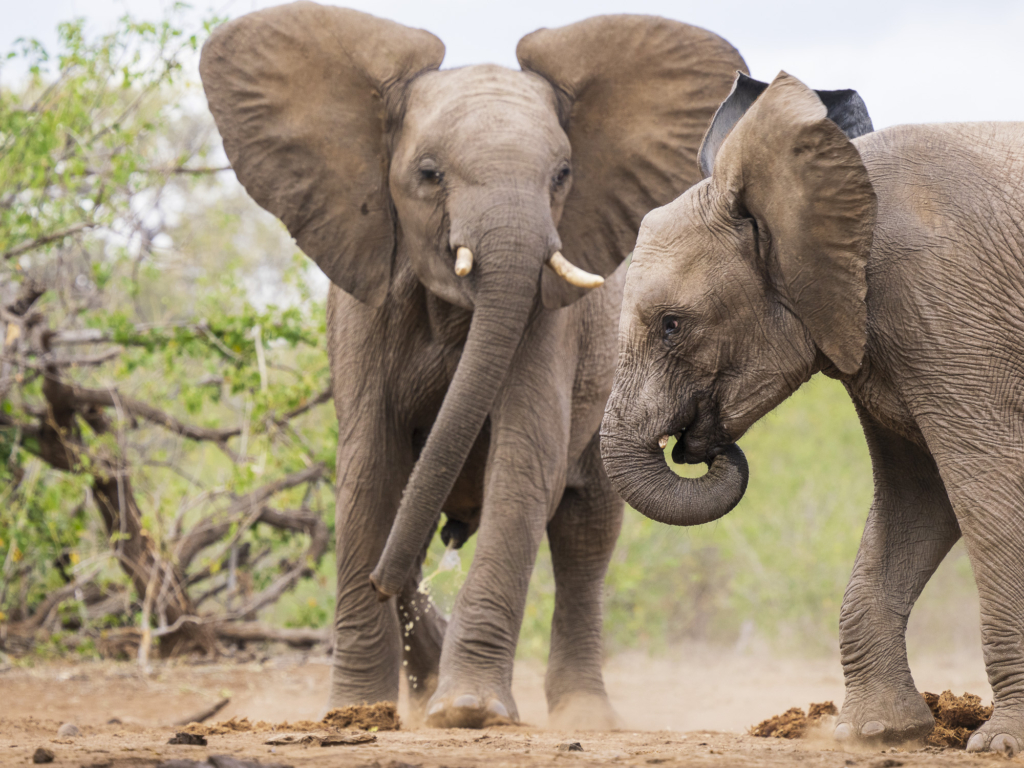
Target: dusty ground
point(689, 710)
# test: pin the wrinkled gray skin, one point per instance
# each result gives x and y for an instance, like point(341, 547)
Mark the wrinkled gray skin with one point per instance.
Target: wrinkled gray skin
point(477, 395)
point(892, 263)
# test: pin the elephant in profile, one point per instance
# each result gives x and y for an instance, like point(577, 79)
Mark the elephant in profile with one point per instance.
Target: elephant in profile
point(893, 263)
point(472, 222)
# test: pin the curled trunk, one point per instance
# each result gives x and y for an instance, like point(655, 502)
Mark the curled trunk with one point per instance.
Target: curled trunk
point(639, 473)
point(503, 304)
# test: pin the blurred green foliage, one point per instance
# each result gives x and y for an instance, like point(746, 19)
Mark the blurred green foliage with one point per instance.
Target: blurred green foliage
point(112, 203)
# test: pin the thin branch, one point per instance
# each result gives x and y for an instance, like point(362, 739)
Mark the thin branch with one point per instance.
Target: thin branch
point(109, 398)
point(254, 631)
point(200, 538)
point(60, 234)
point(322, 397)
point(48, 361)
point(181, 170)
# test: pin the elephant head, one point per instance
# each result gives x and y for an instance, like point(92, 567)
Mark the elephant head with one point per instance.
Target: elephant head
point(507, 191)
point(737, 293)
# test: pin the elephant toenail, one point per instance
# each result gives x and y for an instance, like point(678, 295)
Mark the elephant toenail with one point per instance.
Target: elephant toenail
point(1006, 744)
point(497, 708)
point(436, 708)
point(843, 732)
point(467, 700)
point(872, 728)
point(976, 743)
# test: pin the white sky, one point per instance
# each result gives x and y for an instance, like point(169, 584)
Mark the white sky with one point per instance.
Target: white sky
point(912, 60)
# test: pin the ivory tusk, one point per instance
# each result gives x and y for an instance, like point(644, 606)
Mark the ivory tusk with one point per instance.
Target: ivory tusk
point(573, 274)
point(463, 261)
point(663, 441)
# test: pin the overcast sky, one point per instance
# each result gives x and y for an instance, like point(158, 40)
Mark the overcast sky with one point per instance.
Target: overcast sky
point(912, 61)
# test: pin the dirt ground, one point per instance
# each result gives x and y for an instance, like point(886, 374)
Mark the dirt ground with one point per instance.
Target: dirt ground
point(691, 709)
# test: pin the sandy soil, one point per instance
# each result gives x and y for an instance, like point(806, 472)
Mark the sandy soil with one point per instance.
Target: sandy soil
point(691, 709)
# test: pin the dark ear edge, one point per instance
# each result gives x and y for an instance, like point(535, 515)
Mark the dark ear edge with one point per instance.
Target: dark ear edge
point(744, 93)
point(845, 108)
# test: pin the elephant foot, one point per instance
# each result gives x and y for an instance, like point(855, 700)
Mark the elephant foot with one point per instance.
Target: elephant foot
point(470, 710)
point(897, 720)
point(1000, 734)
point(584, 712)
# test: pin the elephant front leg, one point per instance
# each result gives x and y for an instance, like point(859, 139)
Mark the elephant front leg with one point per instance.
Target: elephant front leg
point(910, 529)
point(525, 476)
point(423, 629)
point(374, 463)
point(582, 535)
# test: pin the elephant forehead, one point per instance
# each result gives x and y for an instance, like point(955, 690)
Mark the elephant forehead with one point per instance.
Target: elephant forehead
point(485, 98)
point(653, 285)
point(674, 246)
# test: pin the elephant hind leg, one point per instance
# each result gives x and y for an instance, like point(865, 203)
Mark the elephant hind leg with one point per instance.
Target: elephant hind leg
point(909, 530)
point(582, 536)
point(987, 490)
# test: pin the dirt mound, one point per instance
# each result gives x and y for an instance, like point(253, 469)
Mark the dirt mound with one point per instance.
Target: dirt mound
point(956, 718)
point(793, 723)
point(382, 716)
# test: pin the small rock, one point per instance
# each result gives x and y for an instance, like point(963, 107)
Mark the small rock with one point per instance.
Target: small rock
point(43, 755)
point(570, 746)
point(190, 739)
point(68, 731)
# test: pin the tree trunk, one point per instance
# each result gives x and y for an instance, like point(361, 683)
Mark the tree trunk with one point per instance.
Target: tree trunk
point(139, 560)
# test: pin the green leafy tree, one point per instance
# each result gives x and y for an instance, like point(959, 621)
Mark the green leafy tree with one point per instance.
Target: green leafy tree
point(141, 376)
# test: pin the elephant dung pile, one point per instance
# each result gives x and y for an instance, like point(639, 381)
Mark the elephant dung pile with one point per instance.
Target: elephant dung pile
point(382, 716)
point(793, 723)
point(956, 717)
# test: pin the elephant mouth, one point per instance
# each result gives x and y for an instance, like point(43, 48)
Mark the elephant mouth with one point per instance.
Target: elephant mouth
point(699, 435)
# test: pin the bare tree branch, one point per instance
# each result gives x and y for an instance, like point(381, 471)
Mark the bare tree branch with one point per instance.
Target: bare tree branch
point(187, 171)
point(109, 398)
point(60, 234)
point(201, 537)
point(254, 631)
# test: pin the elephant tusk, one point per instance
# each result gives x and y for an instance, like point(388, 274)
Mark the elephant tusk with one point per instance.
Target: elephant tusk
point(573, 274)
point(663, 441)
point(463, 261)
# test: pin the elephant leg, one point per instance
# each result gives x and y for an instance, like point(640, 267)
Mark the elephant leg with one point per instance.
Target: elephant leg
point(525, 477)
point(582, 535)
point(909, 530)
point(374, 463)
point(987, 491)
point(423, 629)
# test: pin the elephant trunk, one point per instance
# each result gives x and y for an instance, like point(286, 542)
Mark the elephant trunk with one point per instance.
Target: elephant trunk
point(636, 466)
point(503, 303)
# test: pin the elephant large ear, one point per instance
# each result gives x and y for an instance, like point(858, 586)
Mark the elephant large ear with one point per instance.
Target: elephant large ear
point(796, 173)
point(638, 93)
point(844, 108)
point(298, 93)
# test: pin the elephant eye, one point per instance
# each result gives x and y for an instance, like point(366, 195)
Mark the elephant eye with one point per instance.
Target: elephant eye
point(431, 175)
point(561, 177)
point(670, 325)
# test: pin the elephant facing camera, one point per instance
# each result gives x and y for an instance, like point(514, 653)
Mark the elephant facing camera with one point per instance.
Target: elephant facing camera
point(473, 223)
